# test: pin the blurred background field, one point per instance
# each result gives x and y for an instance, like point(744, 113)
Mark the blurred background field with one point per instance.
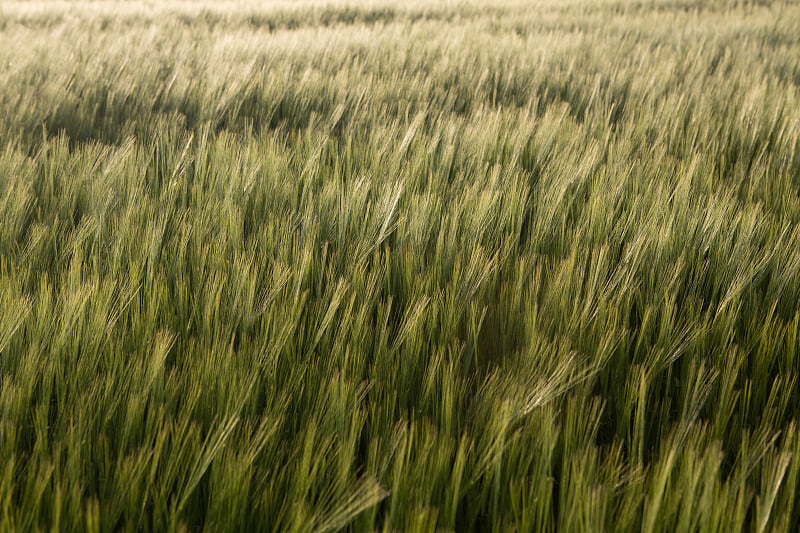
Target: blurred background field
point(306, 266)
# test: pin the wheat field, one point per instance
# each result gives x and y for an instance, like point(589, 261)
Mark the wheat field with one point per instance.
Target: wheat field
point(466, 266)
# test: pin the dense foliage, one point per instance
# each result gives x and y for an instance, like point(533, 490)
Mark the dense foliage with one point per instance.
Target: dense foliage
point(528, 266)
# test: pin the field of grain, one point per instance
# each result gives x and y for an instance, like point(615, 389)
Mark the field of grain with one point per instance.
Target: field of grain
point(468, 266)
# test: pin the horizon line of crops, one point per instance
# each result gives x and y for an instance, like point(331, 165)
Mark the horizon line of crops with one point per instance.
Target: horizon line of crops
point(503, 269)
